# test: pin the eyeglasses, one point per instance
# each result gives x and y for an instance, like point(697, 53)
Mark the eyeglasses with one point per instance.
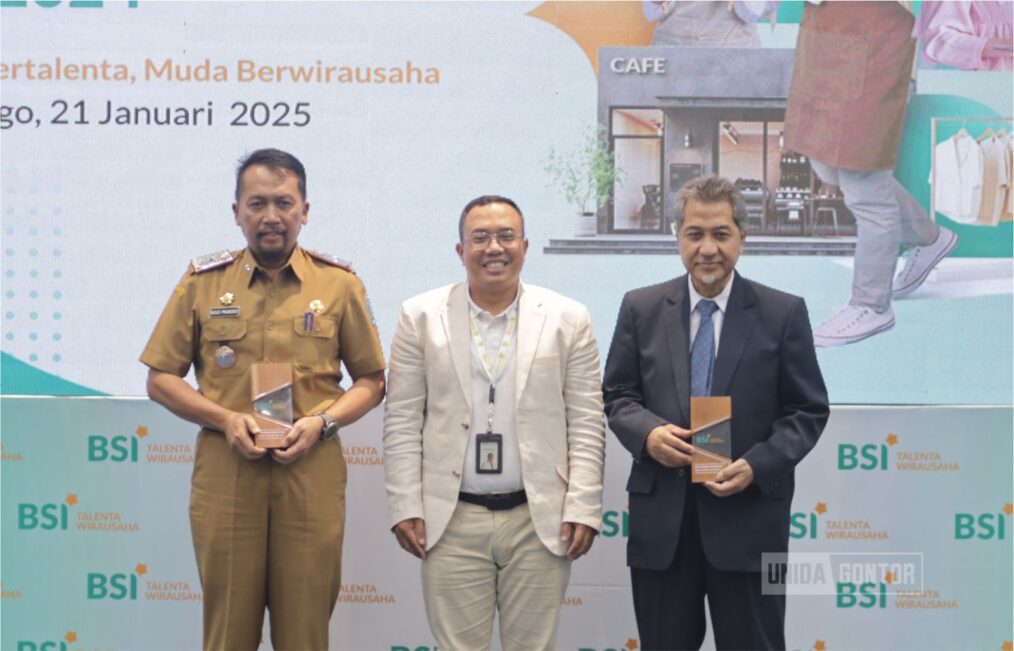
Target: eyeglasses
point(483, 238)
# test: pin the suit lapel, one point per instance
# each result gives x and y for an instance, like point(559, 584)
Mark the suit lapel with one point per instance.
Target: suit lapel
point(677, 335)
point(531, 319)
point(739, 319)
point(455, 318)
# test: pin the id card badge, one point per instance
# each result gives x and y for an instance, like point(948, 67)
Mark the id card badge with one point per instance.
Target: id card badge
point(489, 454)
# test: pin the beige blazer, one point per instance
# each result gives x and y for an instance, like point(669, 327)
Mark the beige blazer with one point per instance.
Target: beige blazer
point(428, 413)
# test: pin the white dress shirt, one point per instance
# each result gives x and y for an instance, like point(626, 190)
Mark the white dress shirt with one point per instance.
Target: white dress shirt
point(957, 177)
point(492, 330)
point(717, 317)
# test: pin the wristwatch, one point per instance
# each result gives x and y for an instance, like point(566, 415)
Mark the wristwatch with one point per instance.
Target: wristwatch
point(330, 426)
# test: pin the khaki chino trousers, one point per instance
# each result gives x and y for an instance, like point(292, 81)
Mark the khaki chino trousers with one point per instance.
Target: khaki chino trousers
point(488, 561)
point(267, 536)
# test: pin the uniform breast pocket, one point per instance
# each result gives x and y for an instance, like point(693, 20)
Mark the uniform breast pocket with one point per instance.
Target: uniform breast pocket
point(314, 346)
point(224, 346)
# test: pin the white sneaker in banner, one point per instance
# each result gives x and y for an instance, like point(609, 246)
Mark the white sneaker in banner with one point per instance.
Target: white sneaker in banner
point(920, 260)
point(850, 324)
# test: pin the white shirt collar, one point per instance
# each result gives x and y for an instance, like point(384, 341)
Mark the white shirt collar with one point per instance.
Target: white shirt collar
point(721, 300)
point(478, 312)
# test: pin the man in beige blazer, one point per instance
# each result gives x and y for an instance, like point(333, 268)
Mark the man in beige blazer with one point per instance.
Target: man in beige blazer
point(494, 366)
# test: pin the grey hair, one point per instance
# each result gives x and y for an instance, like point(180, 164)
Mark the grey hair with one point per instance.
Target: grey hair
point(711, 189)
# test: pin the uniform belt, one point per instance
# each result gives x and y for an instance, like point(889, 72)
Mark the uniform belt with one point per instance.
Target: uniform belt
point(495, 501)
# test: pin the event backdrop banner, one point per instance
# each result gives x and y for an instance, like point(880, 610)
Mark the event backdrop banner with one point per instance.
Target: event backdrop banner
point(121, 124)
point(900, 537)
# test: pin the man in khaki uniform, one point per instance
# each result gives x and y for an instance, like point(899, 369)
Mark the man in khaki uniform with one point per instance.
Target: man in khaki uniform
point(267, 528)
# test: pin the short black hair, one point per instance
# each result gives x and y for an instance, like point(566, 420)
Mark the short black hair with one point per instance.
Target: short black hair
point(276, 160)
point(485, 200)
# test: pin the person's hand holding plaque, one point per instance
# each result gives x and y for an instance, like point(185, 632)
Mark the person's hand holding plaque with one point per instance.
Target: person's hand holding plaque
point(240, 431)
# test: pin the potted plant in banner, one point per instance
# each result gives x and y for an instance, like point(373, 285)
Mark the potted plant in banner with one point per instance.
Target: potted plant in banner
point(586, 177)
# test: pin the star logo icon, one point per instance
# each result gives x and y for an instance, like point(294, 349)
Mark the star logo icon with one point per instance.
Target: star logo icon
point(71, 637)
point(889, 578)
point(1007, 646)
point(141, 432)
point(71, 499)
point(141, 569)
point(819, 646)
point(1008, 508)
point(821, 508)
point(892, 439)
point(631, 644)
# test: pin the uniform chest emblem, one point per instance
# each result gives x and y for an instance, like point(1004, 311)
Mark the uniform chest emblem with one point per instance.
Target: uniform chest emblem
point(225, 357)
point(310, 316)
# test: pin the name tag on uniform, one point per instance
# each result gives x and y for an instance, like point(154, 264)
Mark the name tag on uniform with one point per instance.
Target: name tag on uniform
point(225, 312)
point(488, 454)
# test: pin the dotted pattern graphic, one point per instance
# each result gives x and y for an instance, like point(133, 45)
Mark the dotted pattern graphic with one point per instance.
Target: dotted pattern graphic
point(32, 280)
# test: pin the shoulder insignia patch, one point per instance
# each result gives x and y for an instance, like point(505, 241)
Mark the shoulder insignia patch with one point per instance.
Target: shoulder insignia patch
point(331, 260)
point(212, 261)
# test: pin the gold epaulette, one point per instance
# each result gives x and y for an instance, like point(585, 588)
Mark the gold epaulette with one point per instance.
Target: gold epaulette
point(331, 260)
point(211, 261)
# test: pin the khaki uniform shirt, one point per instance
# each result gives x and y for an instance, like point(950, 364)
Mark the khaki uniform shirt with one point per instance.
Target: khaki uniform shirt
point(271, 326)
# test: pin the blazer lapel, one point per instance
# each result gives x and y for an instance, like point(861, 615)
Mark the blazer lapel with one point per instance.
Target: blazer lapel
point(455, 318)
point(531, 319)
point(677, 335)
point(739, 320)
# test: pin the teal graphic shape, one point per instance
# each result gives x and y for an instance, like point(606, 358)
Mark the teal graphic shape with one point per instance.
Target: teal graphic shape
point(18, 378)
point(915, 158)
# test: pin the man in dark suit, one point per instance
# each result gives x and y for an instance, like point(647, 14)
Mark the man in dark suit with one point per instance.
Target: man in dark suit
point(746, 341)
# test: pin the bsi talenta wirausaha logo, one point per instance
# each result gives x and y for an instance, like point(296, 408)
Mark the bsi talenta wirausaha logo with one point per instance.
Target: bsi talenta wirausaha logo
point(61, 516)
point(63, 644)
point(138, 585)
point(807, 525)
point(120, 448)
point(886, 456)
point(857, 580)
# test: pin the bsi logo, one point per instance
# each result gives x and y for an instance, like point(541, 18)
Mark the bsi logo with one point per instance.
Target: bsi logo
point(630, 645)
point(863, 595)
point(47, 517)
point(865, 457)
point(616, 523)
point(117, 449)
point(982, 526)
point(115, 586)
point(51, 645)
point(804, 525)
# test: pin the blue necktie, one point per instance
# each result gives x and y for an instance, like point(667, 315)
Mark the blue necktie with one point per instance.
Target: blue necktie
point(702, 353)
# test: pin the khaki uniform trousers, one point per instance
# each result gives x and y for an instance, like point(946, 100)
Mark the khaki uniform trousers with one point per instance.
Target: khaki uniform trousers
point(487, 561)
point(267, 535)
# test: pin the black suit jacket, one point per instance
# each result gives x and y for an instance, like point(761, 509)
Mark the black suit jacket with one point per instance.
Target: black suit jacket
point(767, 363)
